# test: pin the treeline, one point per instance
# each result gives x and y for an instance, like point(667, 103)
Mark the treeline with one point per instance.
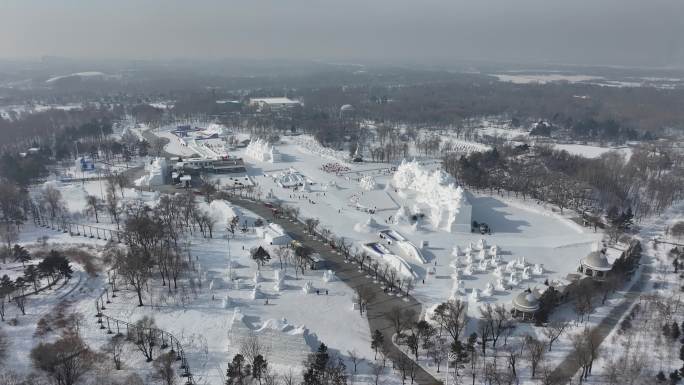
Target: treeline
point(645, 184)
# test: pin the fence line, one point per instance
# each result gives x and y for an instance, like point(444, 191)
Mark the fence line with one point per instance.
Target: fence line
point(167, 339)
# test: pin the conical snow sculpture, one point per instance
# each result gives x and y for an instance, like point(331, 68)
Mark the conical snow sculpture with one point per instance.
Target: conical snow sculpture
point(489, 290)
point(475, 295)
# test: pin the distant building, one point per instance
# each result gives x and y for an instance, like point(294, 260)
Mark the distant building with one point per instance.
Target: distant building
point(84, 164)
point(222, 165)
point(274, 104)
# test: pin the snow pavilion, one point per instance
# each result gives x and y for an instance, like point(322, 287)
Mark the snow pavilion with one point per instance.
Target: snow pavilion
point(525, 305)
point(595, 265)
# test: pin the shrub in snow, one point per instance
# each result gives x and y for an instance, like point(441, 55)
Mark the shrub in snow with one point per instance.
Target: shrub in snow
point(468, 270)
point(456, 251)
point(307, 288)
point(481, 244)
point(257, 277)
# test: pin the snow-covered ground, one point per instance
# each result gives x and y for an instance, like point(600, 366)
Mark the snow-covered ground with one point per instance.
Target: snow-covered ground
point(589, 151)
point(202, 314)
point(521, 229)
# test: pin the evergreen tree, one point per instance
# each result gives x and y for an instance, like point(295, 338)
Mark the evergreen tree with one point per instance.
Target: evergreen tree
point(20, 254)
point(236, 371)
point(666, 330)
point(377, 340)
point(259, 367)
point(674, 331)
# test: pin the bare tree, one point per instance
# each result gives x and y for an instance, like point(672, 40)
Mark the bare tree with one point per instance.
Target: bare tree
point(144, 335)
point(451, 316)
point(554, 330)
point(52, 198)
point(93, 206)
point(376, 372)
point(251, 347)
point(66, 360)
point(535, 352)
point(354, 358)
point(163, 368)
point(115, 347)
point(134, 266)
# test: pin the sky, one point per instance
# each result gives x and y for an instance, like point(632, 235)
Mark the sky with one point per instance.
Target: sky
point(639, 33)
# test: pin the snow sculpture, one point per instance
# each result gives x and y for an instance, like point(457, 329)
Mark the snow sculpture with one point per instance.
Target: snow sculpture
point(256, 293)
point(469, 258)
point(489, 290)
point(307, 288)
point(513, 280)
point(368, 183)
point(226, 302)
point(454, 263)
point(526, 274)
point(538, 269)
point(155, 172)
point(495, 259)
point(262, 151)
point(499, 271)
point(493, 250)
point(501, 284)
point(329, 276)
point(475, 295)
point(366, 227)
point(445, 204)
point(484, 265)
point(402, 216)
point(215, 284)
point(257, 277)
point(511, 266)
point(468, 270)
point(481, 244)
point(279, 284)
point(482, 255)
point(456, 290)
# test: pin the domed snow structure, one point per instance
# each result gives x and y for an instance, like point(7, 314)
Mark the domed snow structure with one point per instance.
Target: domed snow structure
point(445, 204)
point(525, 304)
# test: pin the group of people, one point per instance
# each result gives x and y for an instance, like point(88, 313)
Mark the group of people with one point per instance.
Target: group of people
point(334, 168)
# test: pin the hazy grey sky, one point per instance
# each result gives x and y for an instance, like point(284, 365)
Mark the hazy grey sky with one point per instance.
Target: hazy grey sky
point(617, 32)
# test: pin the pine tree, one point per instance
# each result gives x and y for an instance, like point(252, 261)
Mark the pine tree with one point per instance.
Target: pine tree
point(259, 367)
point(235, 373)
point(377, 340)
point(674, 331)
point(666, 330)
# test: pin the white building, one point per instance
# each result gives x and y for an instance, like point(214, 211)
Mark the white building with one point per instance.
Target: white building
point(273, 234)
point(274, 104)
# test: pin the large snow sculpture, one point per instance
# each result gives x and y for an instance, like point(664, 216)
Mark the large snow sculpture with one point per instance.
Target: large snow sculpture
point(262, 151)
point(445, 204)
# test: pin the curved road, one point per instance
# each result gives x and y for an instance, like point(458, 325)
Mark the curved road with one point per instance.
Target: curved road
point(378, 309)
